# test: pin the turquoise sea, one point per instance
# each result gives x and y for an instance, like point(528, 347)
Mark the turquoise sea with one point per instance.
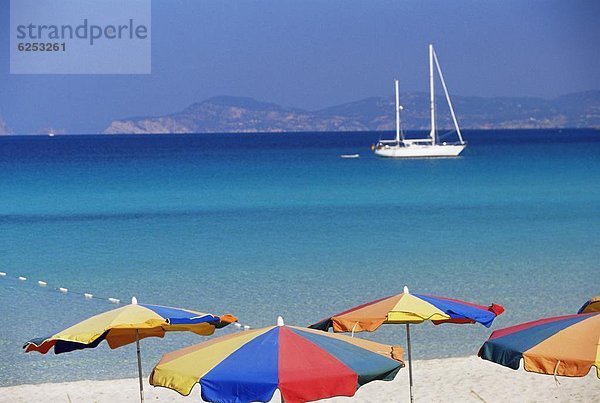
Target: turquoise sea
point(260, 225)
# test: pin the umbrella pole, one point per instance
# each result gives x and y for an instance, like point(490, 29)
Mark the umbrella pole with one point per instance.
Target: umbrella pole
point(139, 359)
point(410, 379)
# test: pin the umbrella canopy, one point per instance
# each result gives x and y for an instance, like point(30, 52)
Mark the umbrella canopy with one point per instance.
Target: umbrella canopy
point(124, 325)
point(409, 308)
point(593, 305)
point(304, 364)
point(406, 308)
point(129, 324)
point(565, 345)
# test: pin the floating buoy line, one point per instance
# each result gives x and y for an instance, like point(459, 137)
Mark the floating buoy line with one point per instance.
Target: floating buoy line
point(62, 290)
point(85, 295)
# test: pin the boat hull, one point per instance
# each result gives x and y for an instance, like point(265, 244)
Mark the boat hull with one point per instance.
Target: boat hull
point(421, 151)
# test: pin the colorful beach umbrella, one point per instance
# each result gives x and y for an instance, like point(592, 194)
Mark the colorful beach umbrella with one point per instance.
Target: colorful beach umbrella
point(564, 345)
point(126, 325)
point(304, 364)
point(592, 305)
point(406, 308)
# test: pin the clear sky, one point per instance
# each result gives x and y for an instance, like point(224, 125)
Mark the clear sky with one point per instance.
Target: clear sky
point(313, 54)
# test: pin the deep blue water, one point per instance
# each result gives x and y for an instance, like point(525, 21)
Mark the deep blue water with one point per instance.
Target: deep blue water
point(278, 224)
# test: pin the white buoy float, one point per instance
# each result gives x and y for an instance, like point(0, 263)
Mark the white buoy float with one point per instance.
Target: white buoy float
point(22, 278)
point(2, 274)
point(114, 300)
point(88, 295)
point(42, 283)
point(63, 290)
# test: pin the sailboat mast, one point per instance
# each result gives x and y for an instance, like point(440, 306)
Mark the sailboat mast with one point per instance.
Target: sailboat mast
point(397, 113)
point(439, 69)
point(431, 96)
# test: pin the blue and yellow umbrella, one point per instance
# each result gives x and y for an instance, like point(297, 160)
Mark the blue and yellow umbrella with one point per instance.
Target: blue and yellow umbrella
point(406, 308)
point(126, 325)
point(591, 305)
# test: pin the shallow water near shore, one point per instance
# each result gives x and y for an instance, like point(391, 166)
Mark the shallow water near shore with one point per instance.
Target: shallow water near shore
point(279, 224)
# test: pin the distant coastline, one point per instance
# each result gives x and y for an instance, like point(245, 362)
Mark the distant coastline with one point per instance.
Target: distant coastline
point(409, 133)
point(227, 114)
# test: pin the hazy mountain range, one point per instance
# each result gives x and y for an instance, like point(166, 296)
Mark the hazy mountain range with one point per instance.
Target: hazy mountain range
point(238, 114)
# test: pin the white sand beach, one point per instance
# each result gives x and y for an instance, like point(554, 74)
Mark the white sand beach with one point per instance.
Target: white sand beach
point(468, 379)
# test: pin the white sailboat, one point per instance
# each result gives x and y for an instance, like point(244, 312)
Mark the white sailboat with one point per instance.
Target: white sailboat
point(425, 147)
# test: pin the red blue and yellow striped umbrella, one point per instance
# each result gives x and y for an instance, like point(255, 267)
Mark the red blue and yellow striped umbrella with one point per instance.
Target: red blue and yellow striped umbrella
point(564, 345)
point(304, 364)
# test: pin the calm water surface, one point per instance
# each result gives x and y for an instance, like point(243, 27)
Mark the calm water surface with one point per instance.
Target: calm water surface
point(267, 225)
